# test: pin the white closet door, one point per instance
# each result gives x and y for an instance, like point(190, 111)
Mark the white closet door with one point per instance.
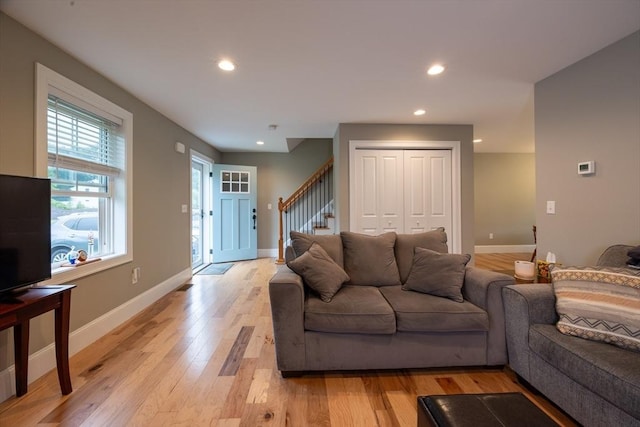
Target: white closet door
point(427, 183)
point(379, 196)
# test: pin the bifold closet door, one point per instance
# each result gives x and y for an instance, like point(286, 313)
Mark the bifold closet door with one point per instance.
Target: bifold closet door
point(427, 190)
point(379, 193)
point(406, 191)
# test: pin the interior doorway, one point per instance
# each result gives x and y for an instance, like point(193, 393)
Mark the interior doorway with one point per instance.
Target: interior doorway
point(201, 228)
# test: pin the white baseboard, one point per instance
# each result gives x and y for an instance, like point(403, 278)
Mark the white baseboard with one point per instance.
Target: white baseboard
point(44, 360)
point(502, 249)
point(268, 253)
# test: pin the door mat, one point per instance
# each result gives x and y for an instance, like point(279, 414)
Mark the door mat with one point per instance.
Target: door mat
point(216, 269)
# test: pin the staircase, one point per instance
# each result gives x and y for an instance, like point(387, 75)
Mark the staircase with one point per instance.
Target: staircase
point(326, 227)
point(309, 209)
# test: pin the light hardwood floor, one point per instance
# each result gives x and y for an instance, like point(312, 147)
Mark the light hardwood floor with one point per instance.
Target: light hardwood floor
point(500, 262)
point(204, 355)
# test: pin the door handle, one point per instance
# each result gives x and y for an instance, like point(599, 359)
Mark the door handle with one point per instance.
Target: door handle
point(254, 218)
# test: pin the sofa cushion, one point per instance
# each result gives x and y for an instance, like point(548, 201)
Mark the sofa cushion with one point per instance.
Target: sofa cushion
point(420, 312)
point(370, 260)
point(319, 271)
point(599, 303)
point(436, 240)
point(331, 243)
point(606, 370)
point(355, 309)
point(437, 274)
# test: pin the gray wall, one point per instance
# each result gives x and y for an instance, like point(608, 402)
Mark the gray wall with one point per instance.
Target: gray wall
point(372, 132)
point(279, 175)
point(161, 237)
point(505, 197)
point(590, 111)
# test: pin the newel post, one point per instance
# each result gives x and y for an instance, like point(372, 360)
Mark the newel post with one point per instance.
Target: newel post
point(280, 259)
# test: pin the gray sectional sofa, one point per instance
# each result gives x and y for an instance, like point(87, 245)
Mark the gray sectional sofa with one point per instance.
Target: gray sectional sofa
point(595, 382)
point(370, 321)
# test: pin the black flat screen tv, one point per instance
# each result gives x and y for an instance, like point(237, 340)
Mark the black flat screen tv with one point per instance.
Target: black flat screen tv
point(25, 231)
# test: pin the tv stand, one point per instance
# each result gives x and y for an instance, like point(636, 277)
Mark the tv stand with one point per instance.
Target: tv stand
point(34, 302)
point(12, 297)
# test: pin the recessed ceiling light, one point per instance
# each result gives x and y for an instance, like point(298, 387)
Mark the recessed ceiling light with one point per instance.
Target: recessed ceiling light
point(435, 69)
point(260, 142)
point(419, 112)
point(475, 141)
point(226, 65)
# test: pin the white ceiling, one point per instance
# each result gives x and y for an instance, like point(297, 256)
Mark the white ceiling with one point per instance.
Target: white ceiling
point(308, 65)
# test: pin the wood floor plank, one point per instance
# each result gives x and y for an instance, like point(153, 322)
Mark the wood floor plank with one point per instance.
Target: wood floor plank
point(404, 408)
point(232, 363)
point(162, 368)
point(237, 396)
point(449, 385)
point(348, 402)
point(209, 408)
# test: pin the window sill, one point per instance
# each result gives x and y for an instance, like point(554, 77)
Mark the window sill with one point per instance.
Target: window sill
point(67, 274)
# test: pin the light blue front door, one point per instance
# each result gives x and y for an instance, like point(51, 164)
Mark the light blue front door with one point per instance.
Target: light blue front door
point(235, 216)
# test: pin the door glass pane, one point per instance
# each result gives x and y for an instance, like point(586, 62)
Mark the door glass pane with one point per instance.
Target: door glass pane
point(234, 182)
point(196, 215)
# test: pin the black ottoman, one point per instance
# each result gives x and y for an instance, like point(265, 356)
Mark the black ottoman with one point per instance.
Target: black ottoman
point(480, 410)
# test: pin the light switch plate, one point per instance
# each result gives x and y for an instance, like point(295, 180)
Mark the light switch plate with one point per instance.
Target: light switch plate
point(551, 207)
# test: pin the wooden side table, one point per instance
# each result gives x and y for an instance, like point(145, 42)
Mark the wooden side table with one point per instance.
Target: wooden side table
point(18, 311)
point(537, 279)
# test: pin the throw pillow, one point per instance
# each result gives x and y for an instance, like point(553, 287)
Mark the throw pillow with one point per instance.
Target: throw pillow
point(319, 272)
point(332, 244)
point(437, 274)
point(370, 260)
point(599, 303)
point(436, 240)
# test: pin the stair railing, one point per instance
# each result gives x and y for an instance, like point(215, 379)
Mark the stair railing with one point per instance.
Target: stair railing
point(309, 201)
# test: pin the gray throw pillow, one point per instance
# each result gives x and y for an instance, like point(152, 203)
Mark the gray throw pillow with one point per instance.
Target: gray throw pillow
point(436, 240)
point(331, 243)
point(370, 260)
point(319, 272)
point(437, 274)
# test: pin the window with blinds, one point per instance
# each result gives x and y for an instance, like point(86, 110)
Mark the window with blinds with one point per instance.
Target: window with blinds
point(84, 156)
point(82, 141)
point(84, 145)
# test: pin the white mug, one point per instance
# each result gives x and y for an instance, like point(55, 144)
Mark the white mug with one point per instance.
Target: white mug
point(525, 270)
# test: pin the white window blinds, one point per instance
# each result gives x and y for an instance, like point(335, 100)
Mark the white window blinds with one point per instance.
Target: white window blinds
point(83, 141)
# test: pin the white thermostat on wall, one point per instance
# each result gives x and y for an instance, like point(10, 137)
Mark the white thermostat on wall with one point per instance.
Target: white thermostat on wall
point(587, 168)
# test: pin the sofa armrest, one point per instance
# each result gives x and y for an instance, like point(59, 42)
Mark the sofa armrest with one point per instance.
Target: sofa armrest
point(286, 293)
point(526, 305)
point(484, 289)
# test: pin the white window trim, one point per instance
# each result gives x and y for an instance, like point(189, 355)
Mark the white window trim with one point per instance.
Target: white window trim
point(46, 81)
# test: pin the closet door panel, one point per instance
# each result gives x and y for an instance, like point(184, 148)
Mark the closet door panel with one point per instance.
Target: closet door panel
point(391, 195)
point(415, 177)
point(439, 186)
point(427, 190)
point(378, 197)
point(367, 193)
